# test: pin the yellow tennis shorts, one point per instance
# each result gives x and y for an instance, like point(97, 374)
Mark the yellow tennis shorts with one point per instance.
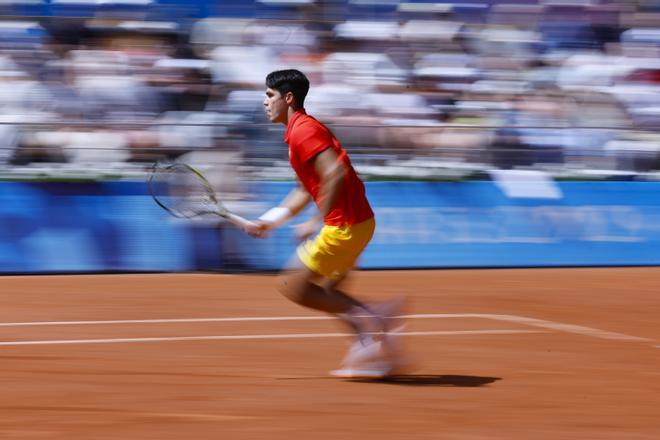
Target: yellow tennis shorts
point(334, 251)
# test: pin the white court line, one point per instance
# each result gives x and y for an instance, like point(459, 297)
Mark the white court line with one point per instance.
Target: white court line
point(167, 321)
point(568, 328)
point(247, 337)
point(571, 328)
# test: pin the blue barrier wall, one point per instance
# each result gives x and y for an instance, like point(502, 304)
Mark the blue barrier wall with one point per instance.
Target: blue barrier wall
point(181, 10)
point(475, 224)
point(88, 227)
point(115, 226)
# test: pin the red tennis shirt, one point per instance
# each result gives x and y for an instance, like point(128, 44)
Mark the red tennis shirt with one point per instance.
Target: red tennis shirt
point(306, 138)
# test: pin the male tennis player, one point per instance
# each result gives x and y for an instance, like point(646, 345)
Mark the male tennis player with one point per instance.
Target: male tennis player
point(326, 176)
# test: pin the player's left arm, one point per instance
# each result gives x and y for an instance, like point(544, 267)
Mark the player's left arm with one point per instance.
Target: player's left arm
point(331, 171)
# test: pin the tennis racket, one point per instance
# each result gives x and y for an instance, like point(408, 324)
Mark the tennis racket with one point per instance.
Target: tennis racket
point(184, 192)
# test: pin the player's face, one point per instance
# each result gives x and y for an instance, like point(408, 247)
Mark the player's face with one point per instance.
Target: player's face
point(276, 106)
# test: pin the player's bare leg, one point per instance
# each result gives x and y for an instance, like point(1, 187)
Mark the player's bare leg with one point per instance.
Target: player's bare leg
point(375, 352)
point(384, 355)
point(304, 287)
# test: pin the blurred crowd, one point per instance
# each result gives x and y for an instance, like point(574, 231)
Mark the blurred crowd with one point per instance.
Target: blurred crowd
point(511, 84)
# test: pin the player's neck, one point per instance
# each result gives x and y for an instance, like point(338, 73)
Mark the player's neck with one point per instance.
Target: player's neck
point(289, 114)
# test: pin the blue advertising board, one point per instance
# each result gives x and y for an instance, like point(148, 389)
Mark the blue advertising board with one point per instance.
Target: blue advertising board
point(476, 224)
point(115, 226)
point(470, 224)
point(88, 227)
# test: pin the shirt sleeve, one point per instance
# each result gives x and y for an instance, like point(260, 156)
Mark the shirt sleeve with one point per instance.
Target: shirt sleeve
point(310, 141)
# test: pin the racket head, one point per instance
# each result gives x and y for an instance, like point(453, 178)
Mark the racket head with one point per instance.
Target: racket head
point(183, 191)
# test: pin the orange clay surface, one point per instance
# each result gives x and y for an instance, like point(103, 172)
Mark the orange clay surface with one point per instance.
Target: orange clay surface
point(586, 367)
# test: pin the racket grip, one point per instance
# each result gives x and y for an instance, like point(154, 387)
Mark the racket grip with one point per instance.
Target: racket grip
point(239, 221)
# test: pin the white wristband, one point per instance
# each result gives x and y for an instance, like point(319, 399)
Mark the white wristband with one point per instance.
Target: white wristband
point(276, 216)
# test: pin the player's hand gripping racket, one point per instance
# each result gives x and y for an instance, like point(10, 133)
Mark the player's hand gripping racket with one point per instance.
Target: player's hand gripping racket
point(184, 192)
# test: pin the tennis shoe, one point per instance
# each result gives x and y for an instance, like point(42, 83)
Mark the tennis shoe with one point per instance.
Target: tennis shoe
point(391, 313)
point(369, 358)
point(374, 370)
point(363, 350)
point(376, 352)
point(364, 359)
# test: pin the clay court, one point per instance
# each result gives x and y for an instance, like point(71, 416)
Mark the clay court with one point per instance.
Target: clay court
point(501, 354)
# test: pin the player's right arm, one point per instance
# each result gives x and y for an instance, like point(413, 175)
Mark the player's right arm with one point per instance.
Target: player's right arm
point(297, 199)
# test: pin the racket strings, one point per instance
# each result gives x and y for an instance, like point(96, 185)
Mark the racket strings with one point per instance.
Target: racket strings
point(183, 191)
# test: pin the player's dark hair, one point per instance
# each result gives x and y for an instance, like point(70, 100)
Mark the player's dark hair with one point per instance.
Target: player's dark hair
point(291, 80)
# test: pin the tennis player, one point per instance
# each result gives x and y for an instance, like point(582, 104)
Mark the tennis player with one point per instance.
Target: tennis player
point(346, 222)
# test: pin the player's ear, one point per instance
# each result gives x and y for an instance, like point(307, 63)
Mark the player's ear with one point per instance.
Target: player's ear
point(290, 99)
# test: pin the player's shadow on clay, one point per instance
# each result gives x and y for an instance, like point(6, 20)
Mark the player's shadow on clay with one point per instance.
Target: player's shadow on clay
point(440, 380)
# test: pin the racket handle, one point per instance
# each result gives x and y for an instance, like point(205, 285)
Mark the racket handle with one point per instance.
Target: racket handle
point(239, 221)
